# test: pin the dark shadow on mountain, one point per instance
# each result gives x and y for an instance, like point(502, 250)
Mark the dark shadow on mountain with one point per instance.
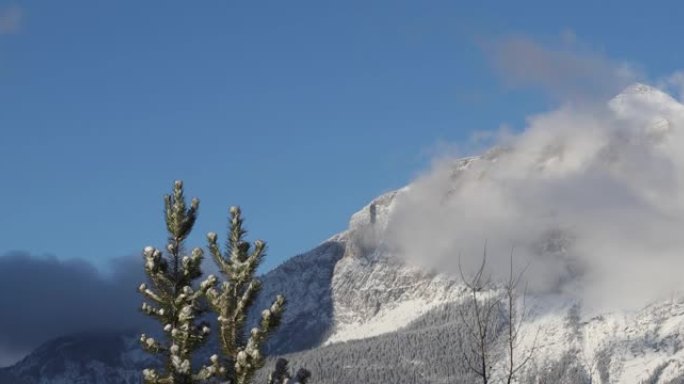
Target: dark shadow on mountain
point(305, 281)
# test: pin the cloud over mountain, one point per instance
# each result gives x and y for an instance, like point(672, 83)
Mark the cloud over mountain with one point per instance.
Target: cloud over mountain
point(591, 196)
point(44, 297)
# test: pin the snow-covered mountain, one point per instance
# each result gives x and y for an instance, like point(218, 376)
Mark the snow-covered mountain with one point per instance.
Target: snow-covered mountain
point(356, 302)
point(93, 357)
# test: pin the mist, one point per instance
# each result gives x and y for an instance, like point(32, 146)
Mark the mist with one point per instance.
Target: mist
point(589, 198)
point(566, 69)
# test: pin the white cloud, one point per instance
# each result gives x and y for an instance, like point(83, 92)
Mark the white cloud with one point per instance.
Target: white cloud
point(674, 83)
point(592, 196)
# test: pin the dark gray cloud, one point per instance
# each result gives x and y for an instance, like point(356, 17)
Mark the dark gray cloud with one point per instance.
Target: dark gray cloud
point(45, 297)
point(565, 71)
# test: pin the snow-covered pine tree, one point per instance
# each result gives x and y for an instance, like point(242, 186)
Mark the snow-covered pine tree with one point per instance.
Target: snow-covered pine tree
point(172, 299)
point(240, 354)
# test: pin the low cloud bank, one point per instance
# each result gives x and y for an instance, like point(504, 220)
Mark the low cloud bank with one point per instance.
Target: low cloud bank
point(44, 297)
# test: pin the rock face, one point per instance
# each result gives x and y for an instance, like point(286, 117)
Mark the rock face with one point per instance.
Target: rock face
point(374, 291)
point(358, 312)
point(305, 281)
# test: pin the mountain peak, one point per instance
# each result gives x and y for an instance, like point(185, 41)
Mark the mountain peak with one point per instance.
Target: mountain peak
point(640, 100)
point(640, 92)
point(640, 88)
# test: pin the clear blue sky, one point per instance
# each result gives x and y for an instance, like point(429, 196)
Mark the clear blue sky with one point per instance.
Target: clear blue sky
point(299, 111)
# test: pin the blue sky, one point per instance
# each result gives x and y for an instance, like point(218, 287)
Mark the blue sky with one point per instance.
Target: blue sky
point(299, 111)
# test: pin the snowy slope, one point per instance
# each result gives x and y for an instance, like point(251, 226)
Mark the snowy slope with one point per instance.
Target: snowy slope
point(643, 346)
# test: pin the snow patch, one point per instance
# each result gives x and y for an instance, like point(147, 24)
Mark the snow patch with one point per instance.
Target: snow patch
point(387, 320)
